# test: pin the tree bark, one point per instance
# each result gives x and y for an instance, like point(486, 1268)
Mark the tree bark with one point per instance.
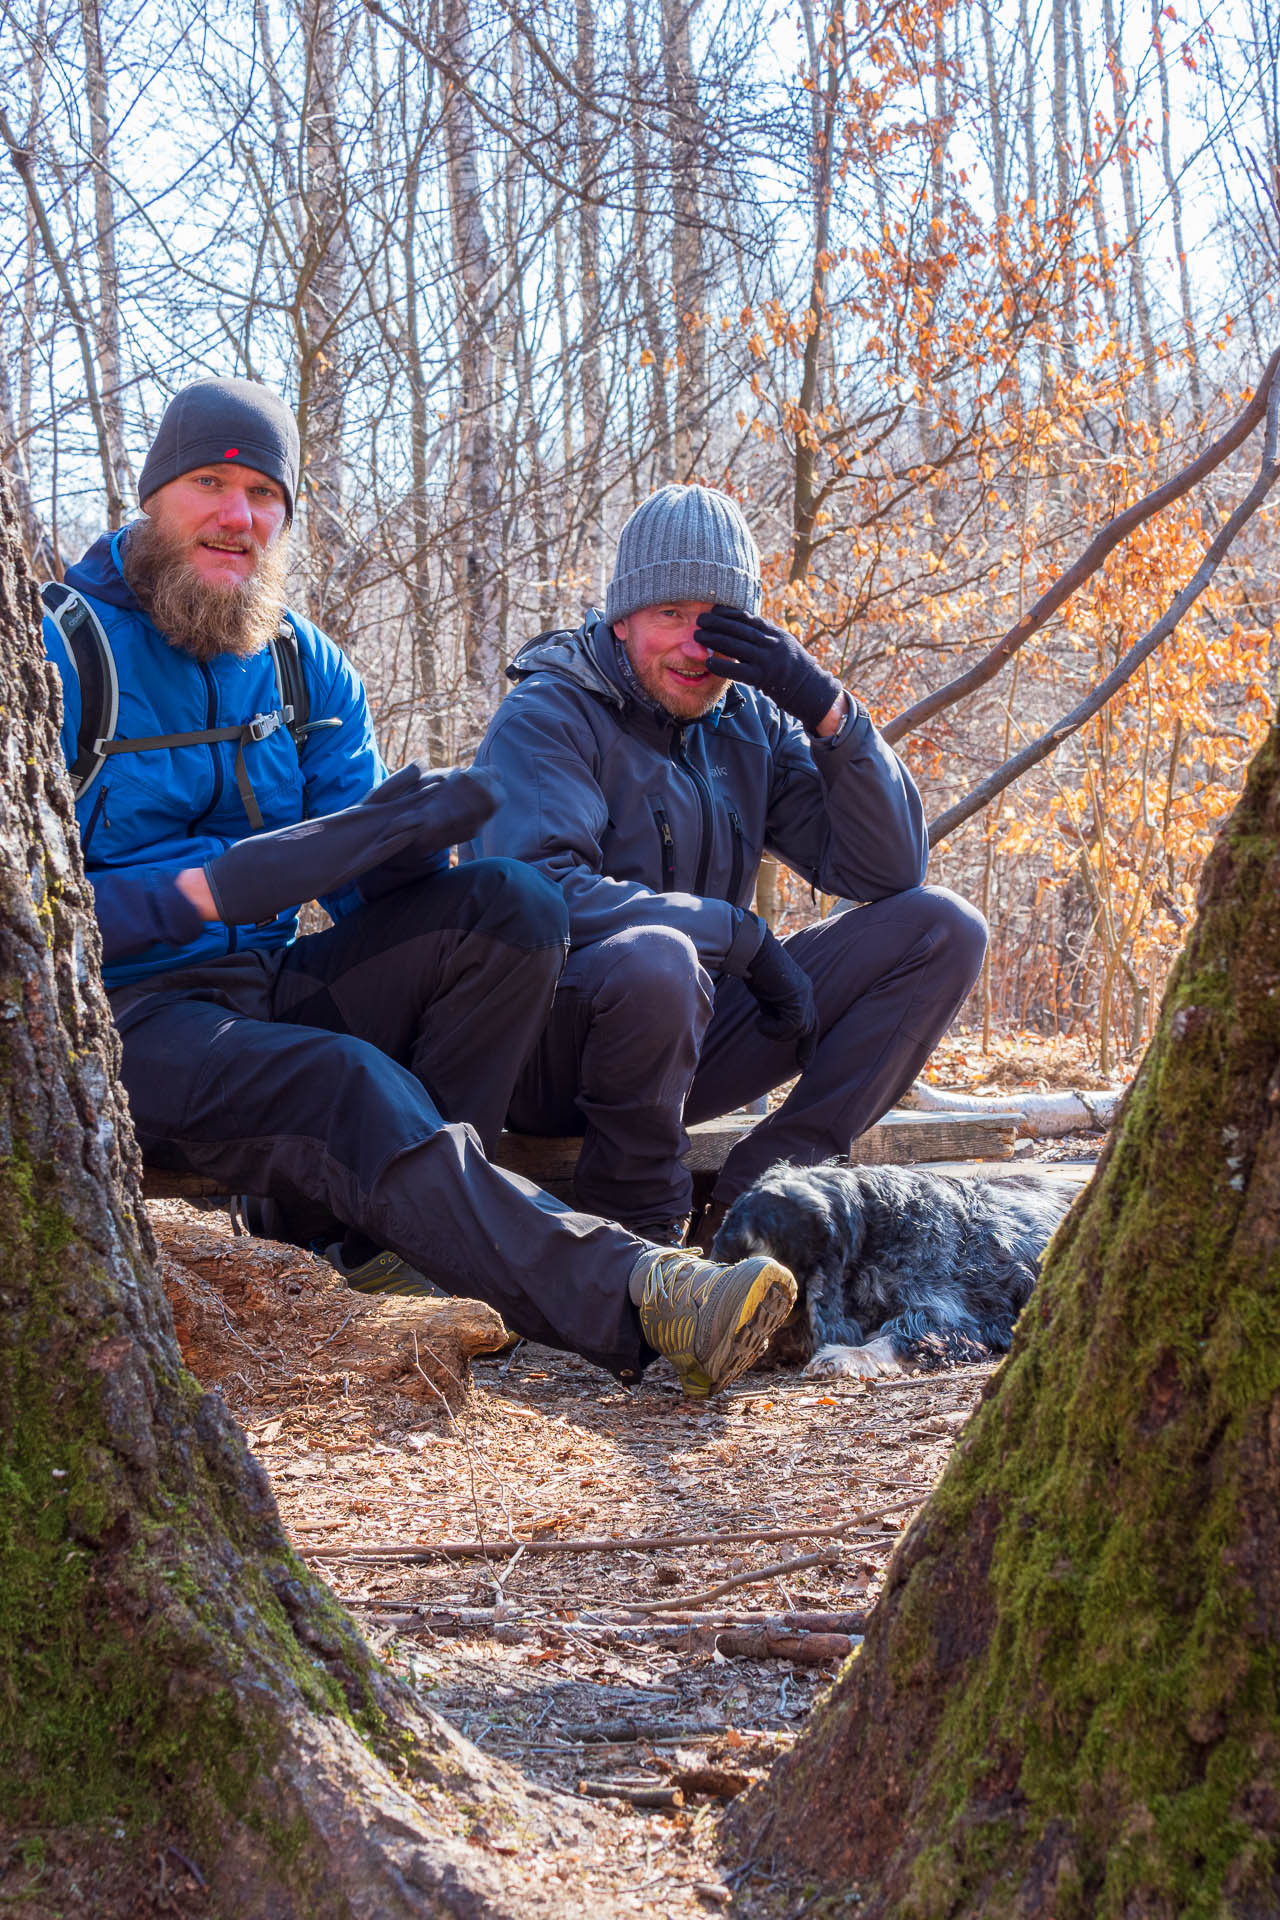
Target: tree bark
point(688, 239)
point(324, 269)
point(107, 319)
point(1068, 1701)
point(168, 1661)
point(477, 467)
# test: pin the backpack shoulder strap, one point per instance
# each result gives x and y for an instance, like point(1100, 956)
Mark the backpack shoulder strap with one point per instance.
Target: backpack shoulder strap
point(291, 679)
point(295, 695)
point(89, 650)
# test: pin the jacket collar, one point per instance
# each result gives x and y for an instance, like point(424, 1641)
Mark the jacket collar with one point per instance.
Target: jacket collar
point(588, 656)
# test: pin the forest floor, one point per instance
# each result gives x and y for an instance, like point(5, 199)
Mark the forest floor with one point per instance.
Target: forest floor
point(783, 1497)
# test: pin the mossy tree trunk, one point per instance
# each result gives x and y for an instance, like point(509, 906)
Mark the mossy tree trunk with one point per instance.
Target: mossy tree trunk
point(1067, 1701)
point(166, 1662)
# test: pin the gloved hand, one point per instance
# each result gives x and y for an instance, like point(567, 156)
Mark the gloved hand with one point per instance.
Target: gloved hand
point(785, 993)
point(750, 650)
point(253, 880)
point(459, 801)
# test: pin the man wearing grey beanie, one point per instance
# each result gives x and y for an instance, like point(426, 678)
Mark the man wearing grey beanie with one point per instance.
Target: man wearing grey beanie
point(345, 1085)
point(649, 759)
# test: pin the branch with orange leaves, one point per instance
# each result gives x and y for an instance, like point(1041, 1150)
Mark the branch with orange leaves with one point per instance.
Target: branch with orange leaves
point(1125, 668)
point(1087, 565)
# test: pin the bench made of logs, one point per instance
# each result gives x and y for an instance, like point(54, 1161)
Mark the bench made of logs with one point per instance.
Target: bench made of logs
point(900, 1139)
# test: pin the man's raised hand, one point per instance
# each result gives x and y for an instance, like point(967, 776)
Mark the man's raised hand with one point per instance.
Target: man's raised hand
point(759, 655)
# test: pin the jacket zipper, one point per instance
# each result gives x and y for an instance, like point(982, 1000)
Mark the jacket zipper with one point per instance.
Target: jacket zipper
point(98, 812)
point(735, 871)
point(211, 715)
point(705, 808)
point(668, 848)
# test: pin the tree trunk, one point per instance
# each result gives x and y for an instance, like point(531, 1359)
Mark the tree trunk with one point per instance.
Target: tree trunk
point(1068, 1701)
point(1132, 215)
point(168, 1662)
point(324, 268)
point(650, 309)
point(688, 239)
point(478, 472)
point(826, 48)
point(1173, 188)
point(107, 321)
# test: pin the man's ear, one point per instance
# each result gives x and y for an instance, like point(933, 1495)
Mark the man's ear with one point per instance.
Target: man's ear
point(620, 626)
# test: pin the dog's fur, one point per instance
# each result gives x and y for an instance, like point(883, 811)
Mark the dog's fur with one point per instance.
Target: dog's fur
point(896, 1266)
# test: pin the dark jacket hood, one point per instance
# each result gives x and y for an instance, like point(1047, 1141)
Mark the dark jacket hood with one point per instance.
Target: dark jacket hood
point(98, 574)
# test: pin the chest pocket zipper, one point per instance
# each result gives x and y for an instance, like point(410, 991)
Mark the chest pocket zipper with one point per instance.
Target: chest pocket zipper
point(99, 813)
point(735, 871)
point(667, 840)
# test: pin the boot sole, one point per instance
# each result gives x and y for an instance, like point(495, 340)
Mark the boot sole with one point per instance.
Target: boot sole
point(770, 1299)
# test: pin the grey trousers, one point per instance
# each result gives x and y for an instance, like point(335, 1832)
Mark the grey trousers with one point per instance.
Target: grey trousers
point(642, 1041)
point(321, 1075)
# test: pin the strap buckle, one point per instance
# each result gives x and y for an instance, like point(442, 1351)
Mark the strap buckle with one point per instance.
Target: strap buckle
point(263, 725)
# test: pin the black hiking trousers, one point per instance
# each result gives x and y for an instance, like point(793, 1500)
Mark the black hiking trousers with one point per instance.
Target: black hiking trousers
point(642, 1043)
point(357, 1078)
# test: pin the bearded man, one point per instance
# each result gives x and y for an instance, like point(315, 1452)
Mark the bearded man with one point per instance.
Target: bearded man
point(351, 1081)
point(650, 759)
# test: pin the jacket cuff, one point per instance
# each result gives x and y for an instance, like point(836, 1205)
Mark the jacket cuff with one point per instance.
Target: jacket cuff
point(856, 713)
point(748, 938)
point(134, 913)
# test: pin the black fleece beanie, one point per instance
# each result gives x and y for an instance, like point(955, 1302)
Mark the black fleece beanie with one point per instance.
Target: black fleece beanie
point(213, 421)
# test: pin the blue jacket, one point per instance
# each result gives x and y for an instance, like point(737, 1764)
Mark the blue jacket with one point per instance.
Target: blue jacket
point(148, 815)
point(643, 819)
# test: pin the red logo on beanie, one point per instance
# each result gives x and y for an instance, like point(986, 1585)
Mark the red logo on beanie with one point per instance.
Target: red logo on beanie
point(231, 453)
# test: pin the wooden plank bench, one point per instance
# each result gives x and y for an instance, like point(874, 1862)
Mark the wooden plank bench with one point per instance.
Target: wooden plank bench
point(900, 1139)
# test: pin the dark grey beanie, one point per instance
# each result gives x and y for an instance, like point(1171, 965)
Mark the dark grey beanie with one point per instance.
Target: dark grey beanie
point(213, 421)
point(684, 543)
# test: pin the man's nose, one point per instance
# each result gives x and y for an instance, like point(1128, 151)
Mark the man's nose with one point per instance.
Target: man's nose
point(691, 641)
point(234, 512)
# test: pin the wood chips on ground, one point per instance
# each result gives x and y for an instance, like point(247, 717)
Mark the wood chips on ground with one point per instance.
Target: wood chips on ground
point(563, 1662)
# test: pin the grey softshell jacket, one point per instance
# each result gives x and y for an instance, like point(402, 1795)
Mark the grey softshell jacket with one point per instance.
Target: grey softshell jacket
point(643, 820)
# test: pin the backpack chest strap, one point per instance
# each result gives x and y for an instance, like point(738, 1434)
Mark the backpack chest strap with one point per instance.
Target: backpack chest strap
point(261, 727)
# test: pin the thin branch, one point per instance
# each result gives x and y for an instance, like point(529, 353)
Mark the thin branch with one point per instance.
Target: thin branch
point(472, 1549)
point(754, 1578)
point(23, 160)
point(1037, 750)
point(1086, 566)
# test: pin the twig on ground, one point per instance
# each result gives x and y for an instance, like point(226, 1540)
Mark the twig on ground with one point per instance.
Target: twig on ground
point(623, 1543)
point(331, 1337)
point(753, 1578)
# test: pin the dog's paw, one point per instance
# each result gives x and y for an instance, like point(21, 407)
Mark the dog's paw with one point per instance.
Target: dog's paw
point(876, 1360)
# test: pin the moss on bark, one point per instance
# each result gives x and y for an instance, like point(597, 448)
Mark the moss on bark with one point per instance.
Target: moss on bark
point(1068, 1701)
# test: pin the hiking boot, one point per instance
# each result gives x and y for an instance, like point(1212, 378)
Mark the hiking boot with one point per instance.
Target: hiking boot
point(384, 1273)
point(710, 1321)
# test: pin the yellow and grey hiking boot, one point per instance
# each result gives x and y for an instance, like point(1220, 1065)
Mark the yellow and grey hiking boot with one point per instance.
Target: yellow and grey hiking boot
point(384, 1273)
point(710, 1321)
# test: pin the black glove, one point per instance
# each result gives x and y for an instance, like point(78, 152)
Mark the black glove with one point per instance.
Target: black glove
point(750, 650)
point(785, 993)
point(253, 880)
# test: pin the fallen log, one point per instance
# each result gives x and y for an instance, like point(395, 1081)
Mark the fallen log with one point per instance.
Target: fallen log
point(1039, 1116)
point(634, 1796)
point(746, 1641)
point(231, 1297)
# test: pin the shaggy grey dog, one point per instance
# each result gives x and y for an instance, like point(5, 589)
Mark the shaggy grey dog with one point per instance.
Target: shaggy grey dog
point(894, 1265)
